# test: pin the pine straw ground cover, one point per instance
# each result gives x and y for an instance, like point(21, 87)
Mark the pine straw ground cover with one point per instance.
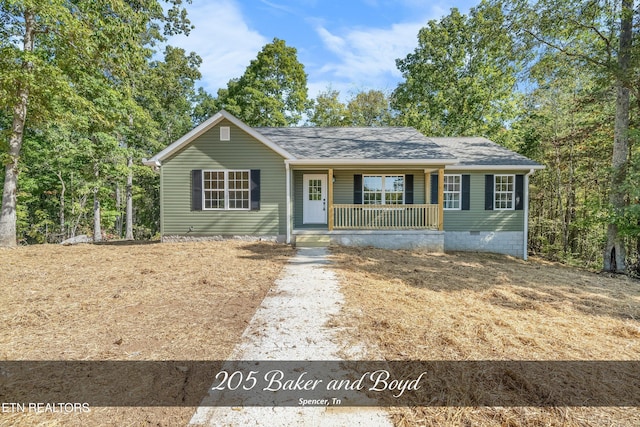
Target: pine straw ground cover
point(466, 306)
point(182, 301)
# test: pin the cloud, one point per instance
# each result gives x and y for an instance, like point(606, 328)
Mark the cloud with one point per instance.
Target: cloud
point(223, 40)
point(368, 55)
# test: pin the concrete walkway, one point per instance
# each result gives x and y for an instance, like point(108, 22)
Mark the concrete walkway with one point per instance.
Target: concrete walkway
point(291, 324)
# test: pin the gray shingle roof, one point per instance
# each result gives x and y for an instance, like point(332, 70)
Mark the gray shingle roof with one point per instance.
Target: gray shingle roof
point(389, 143)
point(472, 151)
point(380, 143)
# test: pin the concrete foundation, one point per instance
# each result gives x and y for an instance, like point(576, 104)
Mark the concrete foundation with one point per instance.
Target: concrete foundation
point(426, 240)
point(192, 238)
point(502, 242)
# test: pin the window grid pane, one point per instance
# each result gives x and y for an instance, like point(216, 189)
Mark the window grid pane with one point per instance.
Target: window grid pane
point(372, 190)
point(238, 190)
point(315, 189)
point(452, 191)
point(226, 192)
point(504, 188)
point(214, 190)
point(381, 190)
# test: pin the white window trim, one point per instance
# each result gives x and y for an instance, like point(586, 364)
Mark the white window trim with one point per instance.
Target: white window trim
point(404, 180)
point(513, 193)
point(459, 208)
point(226, 190)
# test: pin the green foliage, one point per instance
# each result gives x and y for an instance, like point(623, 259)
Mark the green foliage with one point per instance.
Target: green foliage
point(271, 92)
point(327, 110)
point(460, 79)
point(95, 99)
point(568, 127)
point(370, 108)
point(599, 39)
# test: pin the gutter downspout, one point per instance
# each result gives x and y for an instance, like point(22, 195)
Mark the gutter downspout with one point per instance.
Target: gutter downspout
point(526, 214)
point(288, 199)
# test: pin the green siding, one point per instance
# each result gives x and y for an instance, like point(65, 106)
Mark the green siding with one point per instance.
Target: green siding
point(343, 187)
point(477, 218)
point(208, 152)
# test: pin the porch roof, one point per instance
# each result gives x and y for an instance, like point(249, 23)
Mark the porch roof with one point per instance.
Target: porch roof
point(348, 143)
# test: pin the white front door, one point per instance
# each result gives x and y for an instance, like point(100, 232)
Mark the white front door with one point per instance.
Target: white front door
point(314, 206)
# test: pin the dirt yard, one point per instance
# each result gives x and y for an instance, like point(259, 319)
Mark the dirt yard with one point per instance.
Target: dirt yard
point(132, 302)
point(192, 301)
point(465, 306)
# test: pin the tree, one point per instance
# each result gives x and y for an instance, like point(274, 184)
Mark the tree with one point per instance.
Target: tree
point(166, 89)
point(369, 108)
point(56, 56)
point(567, 126)
point(327, 110)
point(205, 106)
point(598, 36)
point(460, 79)
point(271, 92)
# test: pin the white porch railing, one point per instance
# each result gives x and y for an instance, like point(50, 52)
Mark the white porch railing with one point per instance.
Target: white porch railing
point(384, 217)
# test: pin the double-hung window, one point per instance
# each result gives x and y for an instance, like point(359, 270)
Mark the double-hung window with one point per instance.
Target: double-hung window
point(383, 189)
point(504, 192)
point(225, 189)
point(452, 192)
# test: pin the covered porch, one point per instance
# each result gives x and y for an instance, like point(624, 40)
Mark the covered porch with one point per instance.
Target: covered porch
point(366, 199)
point(382, 206)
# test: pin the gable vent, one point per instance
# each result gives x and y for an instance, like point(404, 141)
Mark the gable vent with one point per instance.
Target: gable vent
point(225, 133)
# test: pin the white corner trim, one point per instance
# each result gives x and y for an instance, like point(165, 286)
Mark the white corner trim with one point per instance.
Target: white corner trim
point(288, 200)
point(525, 253)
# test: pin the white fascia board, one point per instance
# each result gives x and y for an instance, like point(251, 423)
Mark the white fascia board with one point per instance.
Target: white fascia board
point(208, 124)
point(494, 167)
point(150, 162)
point(188, 137)
point(371, 162)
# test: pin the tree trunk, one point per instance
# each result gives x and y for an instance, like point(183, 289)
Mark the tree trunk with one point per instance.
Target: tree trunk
point(129, 201)
point(97, 228)
point(9, 200)
point(82, 202)
point(62, 191)
point(119, 210)
point(615, 254)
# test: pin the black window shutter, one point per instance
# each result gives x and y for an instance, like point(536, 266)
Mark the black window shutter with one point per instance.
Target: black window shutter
point(488, 192)
point(254, 176)
point(465, 204)
point(408, 189)
point(357, 189)
point(196, 190)
point(434, 188)
point(519, 192)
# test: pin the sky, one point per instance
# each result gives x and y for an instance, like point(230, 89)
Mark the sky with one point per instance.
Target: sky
point(347, 45)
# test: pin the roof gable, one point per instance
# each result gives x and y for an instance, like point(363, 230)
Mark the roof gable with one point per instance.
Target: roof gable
point(199, 130)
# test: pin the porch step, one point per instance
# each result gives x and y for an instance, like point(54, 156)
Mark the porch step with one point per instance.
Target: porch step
point(312, 241)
